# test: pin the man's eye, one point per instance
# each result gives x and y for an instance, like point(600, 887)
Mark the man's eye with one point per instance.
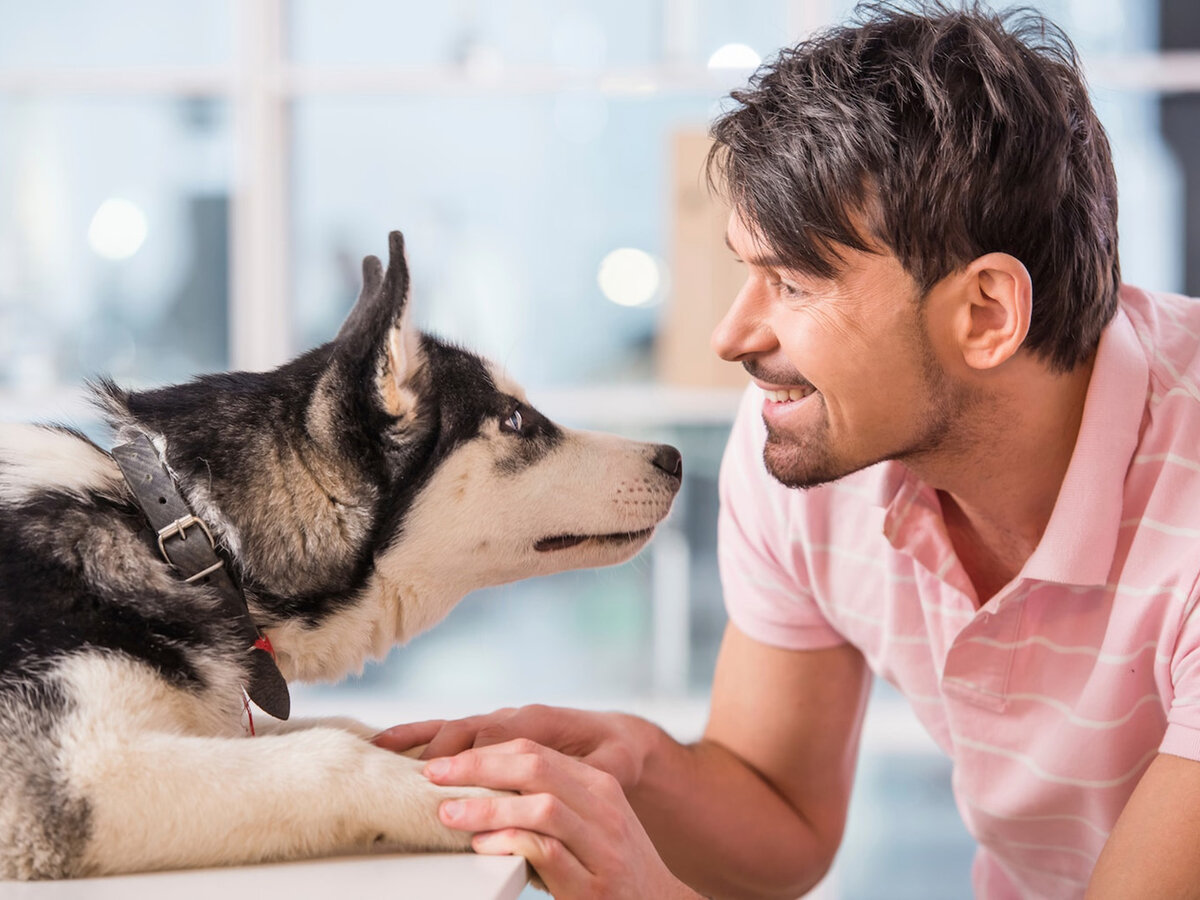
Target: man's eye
point(513, 422)
point(787, 290)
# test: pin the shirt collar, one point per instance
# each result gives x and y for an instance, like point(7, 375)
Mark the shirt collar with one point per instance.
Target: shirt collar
point(1080, 540)
point(1081, 537)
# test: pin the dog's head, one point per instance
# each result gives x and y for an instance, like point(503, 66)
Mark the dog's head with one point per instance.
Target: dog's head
point(389, 463)
point(481, 488)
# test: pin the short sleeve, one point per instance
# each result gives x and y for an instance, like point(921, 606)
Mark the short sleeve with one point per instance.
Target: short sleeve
point(1182, 737)
point(766, 592)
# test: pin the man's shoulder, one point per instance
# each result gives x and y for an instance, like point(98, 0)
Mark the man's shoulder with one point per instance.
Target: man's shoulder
point(1162, 484)
point(1167, 326)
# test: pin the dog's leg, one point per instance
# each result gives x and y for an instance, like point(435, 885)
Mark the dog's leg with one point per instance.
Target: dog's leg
point(166, 801)
point(366, 732)
point(170, 781)
point(264, 725)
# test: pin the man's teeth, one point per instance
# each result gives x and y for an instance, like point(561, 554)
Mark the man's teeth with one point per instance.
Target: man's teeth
point(785, 396)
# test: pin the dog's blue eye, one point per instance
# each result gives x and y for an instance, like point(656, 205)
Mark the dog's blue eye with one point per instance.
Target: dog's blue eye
point(513, 422)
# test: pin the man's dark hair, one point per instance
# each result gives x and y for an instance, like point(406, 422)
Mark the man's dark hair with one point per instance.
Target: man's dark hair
point(944, 134)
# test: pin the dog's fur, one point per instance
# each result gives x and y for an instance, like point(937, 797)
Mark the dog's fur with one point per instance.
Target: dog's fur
point(358, 492)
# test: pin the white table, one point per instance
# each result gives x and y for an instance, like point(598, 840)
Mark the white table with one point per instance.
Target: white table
point(418, 876)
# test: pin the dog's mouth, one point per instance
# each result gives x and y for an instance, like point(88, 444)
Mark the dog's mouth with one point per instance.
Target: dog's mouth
point(563, 541)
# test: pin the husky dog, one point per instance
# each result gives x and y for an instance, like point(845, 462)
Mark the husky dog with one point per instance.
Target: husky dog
point(345, 501)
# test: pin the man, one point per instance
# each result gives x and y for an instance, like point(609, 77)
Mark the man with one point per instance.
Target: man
point(969, 465)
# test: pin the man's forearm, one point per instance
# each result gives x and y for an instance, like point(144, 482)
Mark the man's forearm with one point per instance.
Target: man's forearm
point(722, 828)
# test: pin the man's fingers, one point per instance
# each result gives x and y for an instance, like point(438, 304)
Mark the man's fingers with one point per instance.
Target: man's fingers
point(561, 729)
point(560, 871)
point(541, 813)
point(404, 737)
point(538, 723)
point(442, 737)
point(528, 768)
point(460, 734)
point(554, 838)
point(570, 820)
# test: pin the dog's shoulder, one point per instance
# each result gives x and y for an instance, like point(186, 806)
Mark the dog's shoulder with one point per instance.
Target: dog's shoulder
point(79, 570)
point(38, 459)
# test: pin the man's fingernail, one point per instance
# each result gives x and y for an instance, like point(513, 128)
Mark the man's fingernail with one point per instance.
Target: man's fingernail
point(451, 810)
point(439, 768)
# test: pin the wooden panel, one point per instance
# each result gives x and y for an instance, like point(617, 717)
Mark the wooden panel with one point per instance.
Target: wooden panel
point(704, 276)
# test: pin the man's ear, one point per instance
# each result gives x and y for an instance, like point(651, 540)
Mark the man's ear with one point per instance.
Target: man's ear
point(992, 319)
point(378, 339)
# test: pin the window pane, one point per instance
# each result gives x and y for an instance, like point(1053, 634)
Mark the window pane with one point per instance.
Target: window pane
point(476, 35)
point(721, 23)
point(1150, 190)
point(1104, 26)
point(114, 32)
point(1096, 27)
point(113, 233)
point(509, 206)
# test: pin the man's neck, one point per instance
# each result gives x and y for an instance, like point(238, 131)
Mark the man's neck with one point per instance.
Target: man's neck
point(999, 489)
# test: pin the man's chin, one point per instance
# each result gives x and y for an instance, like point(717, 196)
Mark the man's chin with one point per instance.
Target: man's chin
point(798, 467)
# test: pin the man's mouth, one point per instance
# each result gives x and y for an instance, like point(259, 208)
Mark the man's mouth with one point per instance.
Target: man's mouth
point(788, 395)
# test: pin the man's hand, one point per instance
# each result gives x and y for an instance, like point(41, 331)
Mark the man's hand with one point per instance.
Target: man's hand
point(609, 742)
point(755, 808)
point(570, 820)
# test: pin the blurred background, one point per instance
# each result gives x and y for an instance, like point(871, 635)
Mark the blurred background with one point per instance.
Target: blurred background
point(190, 185)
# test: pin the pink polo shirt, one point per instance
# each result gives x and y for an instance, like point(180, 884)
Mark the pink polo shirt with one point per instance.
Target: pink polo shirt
point(1054, 697)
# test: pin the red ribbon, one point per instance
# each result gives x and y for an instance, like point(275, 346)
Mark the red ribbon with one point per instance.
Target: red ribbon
point(264, 643)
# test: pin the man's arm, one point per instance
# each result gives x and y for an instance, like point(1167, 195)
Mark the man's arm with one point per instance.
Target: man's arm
point(758, 805)
point(1154, 850)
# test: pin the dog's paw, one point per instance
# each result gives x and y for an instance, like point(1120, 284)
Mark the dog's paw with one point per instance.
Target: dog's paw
point(459, 840)
point(413, 814)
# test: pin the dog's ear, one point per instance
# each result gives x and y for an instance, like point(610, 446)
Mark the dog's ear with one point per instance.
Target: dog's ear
point(378, 330)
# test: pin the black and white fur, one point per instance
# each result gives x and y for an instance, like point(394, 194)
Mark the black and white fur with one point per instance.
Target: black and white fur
point(358, 492)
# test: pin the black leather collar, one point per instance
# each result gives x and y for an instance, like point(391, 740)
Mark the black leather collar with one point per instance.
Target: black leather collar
point(187, 545)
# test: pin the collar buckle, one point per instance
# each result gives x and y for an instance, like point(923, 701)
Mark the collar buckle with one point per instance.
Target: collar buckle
point(178, 529)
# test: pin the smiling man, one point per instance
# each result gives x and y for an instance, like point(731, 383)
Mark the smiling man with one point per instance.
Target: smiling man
point(880, 392)
point(970, 464)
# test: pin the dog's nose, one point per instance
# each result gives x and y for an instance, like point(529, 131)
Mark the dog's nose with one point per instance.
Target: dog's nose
point(669, 460)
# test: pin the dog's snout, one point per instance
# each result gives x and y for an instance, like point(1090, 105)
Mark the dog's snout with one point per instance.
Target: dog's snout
point(668, 459)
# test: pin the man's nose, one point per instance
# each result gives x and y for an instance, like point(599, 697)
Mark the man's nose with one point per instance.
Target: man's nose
point(744, 331)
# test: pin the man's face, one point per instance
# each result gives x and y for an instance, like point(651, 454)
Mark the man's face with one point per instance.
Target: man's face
point(850, 373)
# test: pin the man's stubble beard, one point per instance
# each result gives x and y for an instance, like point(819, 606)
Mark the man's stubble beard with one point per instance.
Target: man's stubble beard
point(809, 460)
